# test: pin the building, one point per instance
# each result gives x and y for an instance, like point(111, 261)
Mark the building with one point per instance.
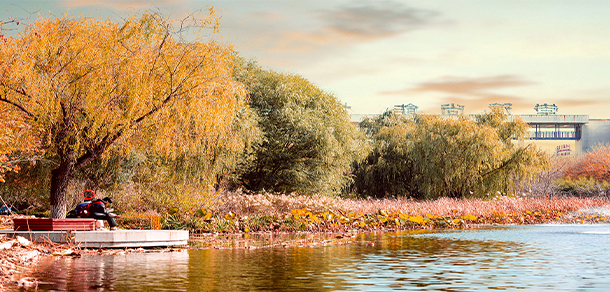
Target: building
point(573, 134)
point(596, 131)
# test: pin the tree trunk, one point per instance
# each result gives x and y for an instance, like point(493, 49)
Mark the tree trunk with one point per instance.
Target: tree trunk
point(59, 184)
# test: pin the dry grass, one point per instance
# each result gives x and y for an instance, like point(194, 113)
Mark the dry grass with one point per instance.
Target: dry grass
point(271, 204)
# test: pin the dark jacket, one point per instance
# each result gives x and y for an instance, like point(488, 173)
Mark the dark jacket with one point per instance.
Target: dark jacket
point(97, 208)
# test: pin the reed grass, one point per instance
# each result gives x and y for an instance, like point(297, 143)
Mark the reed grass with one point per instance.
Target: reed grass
point(266, 204)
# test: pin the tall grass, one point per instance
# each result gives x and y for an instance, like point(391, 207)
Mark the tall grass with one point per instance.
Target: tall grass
point(273, 204)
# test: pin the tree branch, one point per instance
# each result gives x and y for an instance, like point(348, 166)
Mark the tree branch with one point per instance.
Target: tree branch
point(507, 162)
point(97, 150)
point(20, 107)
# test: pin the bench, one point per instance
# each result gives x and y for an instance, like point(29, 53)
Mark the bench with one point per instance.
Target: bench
point(48, 224)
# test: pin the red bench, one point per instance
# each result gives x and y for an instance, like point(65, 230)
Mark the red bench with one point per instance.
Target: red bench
point(48, 224)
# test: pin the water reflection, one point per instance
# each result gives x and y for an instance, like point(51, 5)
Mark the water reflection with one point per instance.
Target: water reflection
point(517, 258)
point(401, 262)
point(128, 272)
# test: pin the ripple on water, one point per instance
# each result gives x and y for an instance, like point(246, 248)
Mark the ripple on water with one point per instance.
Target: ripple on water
point(539, 257)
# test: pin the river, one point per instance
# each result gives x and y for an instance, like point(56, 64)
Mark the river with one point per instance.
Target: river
point(510, 258)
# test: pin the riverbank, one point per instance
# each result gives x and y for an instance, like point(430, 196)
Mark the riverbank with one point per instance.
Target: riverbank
point(305, 228)
point(240, 213)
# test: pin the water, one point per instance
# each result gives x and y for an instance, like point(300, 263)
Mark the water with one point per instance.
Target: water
point(520, 258)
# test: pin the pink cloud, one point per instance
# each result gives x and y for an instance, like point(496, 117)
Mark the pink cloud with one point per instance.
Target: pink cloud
point(345, 26)
point(471, 86)
point(119, 5)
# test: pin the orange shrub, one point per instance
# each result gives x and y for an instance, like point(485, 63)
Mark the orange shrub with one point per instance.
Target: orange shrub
point(595, 164)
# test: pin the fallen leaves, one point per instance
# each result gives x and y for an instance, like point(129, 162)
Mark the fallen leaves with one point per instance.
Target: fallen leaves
point(15, 254)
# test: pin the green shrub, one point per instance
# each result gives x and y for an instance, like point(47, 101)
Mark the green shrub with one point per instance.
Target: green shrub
point(582, 187)
point(308, 142)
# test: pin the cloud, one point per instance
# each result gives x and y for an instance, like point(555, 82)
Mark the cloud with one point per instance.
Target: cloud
point(472, 86)
point(119, 4)
point(478, 93)
point(474, 93)
point(376, 19)
point(343, 26)
point(299, 42)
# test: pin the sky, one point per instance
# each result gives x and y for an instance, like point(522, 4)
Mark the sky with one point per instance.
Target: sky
point(373, 55)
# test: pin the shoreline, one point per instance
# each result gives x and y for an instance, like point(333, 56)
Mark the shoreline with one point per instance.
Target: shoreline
point(243, 240)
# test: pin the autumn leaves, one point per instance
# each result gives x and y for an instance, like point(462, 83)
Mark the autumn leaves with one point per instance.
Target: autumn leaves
point(88, 86)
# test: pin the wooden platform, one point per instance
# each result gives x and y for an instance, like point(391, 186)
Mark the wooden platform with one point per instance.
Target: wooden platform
point(81, 232)
point(48, 224)
point(106, 238)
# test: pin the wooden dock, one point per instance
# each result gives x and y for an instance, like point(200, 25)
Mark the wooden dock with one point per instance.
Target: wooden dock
point(81, 232)
point(106, 238)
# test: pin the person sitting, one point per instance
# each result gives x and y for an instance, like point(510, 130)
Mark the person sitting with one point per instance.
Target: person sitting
point(81, 210)
point(97, 210)
point(109, 211)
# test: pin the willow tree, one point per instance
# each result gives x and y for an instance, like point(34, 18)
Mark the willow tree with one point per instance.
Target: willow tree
point(432, 156)
point(461, 157)
point(387, 169)
point(17, 141)
point(89, 86)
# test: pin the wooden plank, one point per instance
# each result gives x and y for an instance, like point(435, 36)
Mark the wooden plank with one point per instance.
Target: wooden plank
point(48, 224)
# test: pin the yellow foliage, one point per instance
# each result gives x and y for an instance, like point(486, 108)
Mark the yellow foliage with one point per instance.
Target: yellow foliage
point(417, 219)
point(298, 212)
point(469, 217)
point(230, 216)
point(90, 86)
point(17, 141)
point(92, 80)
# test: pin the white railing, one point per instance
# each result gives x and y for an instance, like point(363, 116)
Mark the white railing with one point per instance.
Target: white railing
point(555, 119)
point(556, 135)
